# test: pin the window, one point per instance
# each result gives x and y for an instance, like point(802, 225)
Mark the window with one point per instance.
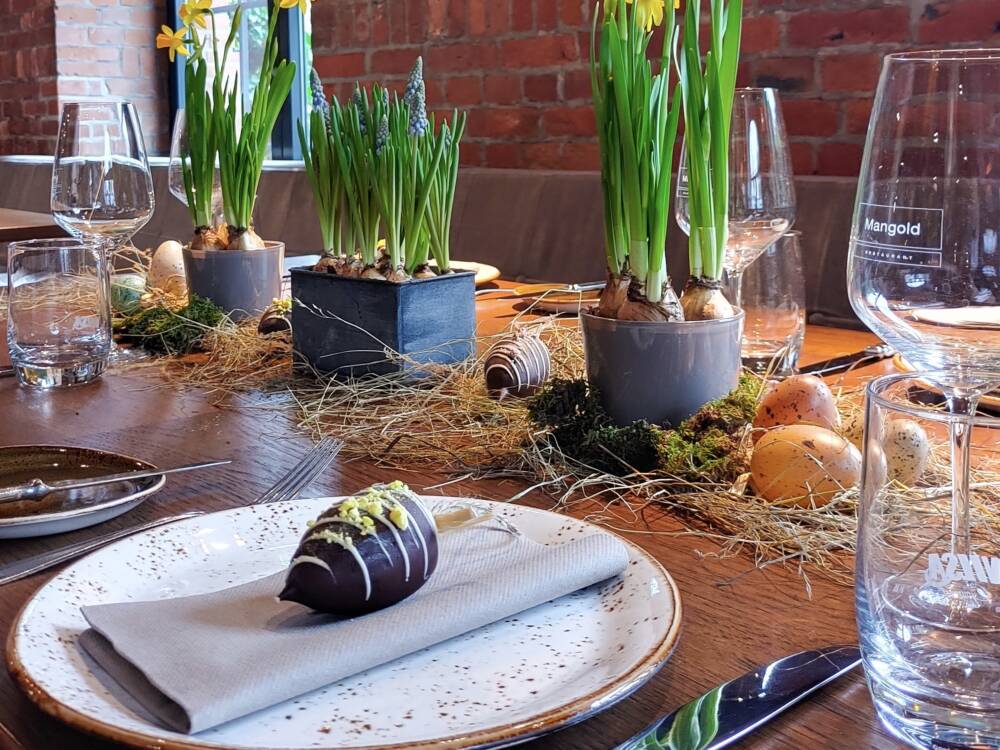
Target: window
point(248, 49)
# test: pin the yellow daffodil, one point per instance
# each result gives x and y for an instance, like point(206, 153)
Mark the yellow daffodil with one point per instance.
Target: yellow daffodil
point(194, 11)
point(302, 4)
point(172, 41)
point(649, 13)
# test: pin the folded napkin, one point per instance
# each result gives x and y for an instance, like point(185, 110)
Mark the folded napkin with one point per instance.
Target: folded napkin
point(199, 661)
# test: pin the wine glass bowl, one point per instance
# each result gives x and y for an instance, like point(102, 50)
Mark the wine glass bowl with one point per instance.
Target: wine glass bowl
point(761, 183)
point(924, 268)
point(101, 184)
point(179, 152)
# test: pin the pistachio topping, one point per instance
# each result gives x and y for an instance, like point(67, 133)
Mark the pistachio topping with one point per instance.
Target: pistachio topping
point(333, 537)
point(399, 516)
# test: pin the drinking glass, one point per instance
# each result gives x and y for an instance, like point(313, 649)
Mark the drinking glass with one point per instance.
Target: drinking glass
point(175, 171)
point(923, 264)
point(761, 183)
point(101, 184)
point(931, 653)
point(59, 311)
point(774, 299)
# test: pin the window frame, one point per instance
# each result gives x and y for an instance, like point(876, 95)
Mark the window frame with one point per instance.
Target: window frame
point(291, 45)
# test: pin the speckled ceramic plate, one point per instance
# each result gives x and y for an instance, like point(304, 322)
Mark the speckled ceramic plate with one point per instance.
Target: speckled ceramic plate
point(556, 664)
point(70, 509)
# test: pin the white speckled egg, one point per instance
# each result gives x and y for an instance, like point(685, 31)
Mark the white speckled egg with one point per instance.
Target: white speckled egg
point(166, 271)
point(907, 450)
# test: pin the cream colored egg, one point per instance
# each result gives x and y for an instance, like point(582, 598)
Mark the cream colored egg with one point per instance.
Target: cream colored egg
point(166, 271)
point(804, 464)
point(795, 400)
point(854, 429)
point(907, 450)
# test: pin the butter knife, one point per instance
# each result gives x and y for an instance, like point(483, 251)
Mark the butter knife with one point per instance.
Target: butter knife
point(731, 711)
point(867, 356)
point(36, 489)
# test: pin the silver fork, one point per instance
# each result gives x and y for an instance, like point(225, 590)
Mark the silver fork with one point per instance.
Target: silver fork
point(312, 464)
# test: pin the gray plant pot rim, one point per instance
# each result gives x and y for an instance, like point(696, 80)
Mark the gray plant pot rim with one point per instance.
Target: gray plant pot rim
point(268, 245)
point(679, 326)
point(309, 270)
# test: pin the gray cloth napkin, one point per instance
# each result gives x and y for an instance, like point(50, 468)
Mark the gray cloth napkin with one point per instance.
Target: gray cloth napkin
point(200, 661)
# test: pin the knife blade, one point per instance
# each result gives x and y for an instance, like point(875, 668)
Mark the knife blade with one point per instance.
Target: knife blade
point(867, 356)
point(36, 489)
point(539, 290)
point(729, 712)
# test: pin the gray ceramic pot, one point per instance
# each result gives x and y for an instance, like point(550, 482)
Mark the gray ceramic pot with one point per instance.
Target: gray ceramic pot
point(241, 282)
point(661, 372)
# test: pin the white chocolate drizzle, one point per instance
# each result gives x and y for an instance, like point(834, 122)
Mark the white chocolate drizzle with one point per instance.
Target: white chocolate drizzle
point(415, 527)
point(359, 527)
point(348, 544)
point(399, 542)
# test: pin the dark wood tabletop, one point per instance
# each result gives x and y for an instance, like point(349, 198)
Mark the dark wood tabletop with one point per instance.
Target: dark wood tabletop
point(27, 225)
point(735, 617)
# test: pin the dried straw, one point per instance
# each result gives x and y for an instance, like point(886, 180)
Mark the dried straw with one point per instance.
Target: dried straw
point(444, 420)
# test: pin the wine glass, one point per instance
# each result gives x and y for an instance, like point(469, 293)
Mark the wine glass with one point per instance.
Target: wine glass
point(101, 184)
point(761, 184)
point(102, 189)
point(175, 170)
point(923, 265)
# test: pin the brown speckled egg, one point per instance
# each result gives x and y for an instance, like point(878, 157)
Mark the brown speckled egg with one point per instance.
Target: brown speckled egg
point(803, 464)
point(800, 399)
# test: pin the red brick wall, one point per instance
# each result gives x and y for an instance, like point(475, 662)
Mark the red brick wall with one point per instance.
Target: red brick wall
point(106, 48)
point(29, 110)
point(520, 66)
point(51, 52)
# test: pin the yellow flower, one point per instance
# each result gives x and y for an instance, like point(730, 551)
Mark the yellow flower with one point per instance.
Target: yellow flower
point(649, 13)
point(303, 4)
point(193, 11)
point(172, 41)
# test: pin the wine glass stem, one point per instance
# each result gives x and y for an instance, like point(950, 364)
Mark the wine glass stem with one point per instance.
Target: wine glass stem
point(736, 287)
point(961, 430)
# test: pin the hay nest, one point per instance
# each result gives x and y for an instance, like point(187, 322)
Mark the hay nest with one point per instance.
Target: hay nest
point(445, 420)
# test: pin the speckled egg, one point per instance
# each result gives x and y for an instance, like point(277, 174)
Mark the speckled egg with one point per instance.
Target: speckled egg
point(804, 464)
point(800, 399)
point(854, 429)
point(907, 450)
point(166, 271)
point(126, 291)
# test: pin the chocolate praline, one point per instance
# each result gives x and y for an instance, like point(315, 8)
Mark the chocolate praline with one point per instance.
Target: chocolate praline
point(365, 553)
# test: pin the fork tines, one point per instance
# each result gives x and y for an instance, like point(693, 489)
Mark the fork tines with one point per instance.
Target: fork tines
point(312, 464)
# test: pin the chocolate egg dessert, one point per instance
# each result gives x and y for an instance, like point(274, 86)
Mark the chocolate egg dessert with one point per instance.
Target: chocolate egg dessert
point(365, 553)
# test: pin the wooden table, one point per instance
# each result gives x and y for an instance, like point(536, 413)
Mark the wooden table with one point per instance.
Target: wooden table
point(27, 225)
point(734, 617)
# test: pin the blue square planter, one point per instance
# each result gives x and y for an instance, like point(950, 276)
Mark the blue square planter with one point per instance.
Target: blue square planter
point(342, 325)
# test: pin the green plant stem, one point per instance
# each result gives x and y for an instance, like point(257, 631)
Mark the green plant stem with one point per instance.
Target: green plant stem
point(637, 113)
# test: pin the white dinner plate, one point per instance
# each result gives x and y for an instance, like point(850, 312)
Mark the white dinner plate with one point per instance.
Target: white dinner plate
point(980, 317)
point(524, 676)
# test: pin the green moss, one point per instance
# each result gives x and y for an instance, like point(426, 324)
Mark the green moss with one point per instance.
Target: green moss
point(622, 450)
point(703, 448)
point(706, 445)
point(165, 331)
